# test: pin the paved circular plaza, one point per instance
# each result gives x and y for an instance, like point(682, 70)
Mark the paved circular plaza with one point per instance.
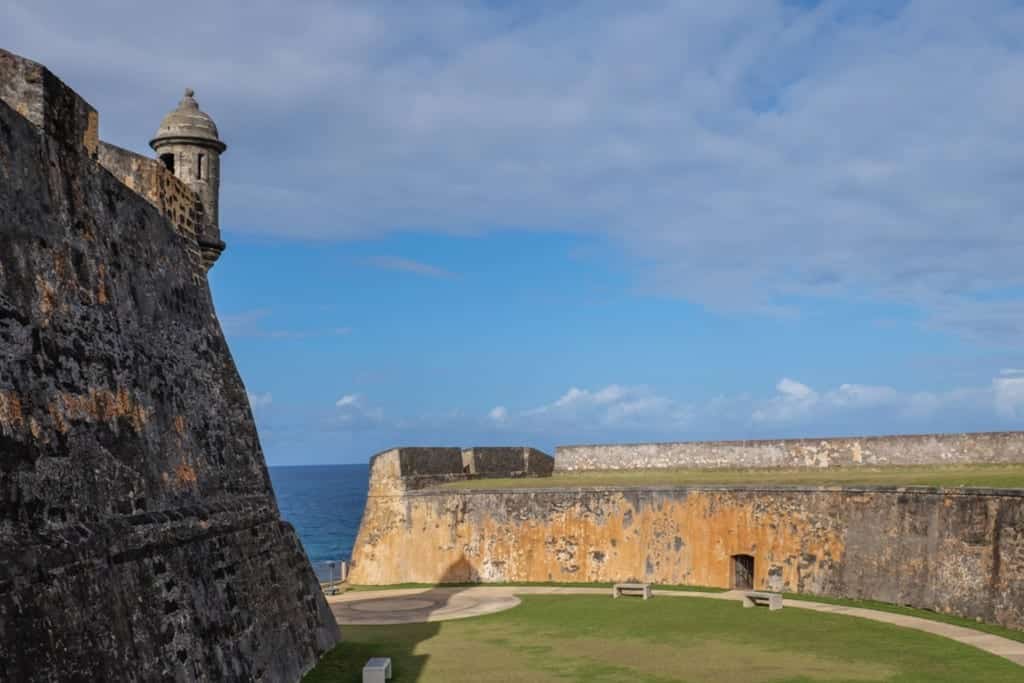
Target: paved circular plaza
point(407, 606)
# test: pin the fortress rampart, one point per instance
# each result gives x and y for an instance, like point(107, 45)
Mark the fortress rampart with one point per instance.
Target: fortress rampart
point(172, 198)
point(923, 449)
point(139, 535)
point(952, 550)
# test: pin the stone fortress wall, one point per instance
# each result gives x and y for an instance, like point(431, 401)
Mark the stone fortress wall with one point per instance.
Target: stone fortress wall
point(923, 449)
point(139, 534)
point(175, 200)
point(952, 550)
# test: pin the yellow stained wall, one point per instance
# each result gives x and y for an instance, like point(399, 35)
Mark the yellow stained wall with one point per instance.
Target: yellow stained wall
point(675, 539)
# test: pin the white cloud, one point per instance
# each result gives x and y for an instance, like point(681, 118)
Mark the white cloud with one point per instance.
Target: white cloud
point(498, 414)
point(260, 400)
point(254, 324)
point(795, 409)
point(1009, 395)
point(409, 266)
point(793, 400)
point(611, 406)
point(353, 414)
point(797, 403)
point(347, 400)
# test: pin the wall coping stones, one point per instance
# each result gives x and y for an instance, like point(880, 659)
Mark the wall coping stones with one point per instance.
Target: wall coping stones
point(915, 449)
point(416, 467)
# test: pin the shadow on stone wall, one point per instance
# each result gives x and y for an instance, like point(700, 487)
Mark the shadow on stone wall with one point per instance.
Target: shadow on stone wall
point(397, 641)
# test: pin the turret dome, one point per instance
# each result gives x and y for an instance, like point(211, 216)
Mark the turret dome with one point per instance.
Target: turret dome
point(188, 124)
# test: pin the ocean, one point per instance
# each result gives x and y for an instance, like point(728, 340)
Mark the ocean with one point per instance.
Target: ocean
point(325, 504)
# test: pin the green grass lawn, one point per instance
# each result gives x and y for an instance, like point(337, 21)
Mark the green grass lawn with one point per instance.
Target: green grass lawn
point(994, 629)
point(594, 638)
point(552, 584)
point(950, 476)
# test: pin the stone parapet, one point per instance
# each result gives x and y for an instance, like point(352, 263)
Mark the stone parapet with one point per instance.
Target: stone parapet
point(925, 449)
point(417, 467)
point(31, 90)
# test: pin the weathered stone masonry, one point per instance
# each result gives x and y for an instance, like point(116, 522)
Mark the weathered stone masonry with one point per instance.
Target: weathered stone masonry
point(139, 535)
point(958, 551)
point(923, 449)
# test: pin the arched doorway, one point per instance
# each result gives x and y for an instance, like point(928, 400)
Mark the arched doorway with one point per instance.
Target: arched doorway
point(742, 572)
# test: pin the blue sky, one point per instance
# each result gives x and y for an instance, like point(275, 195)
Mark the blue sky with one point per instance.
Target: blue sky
point(483, 223)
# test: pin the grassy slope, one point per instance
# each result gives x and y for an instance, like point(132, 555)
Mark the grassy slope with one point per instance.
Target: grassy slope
point(593, 638)
point(986, 476)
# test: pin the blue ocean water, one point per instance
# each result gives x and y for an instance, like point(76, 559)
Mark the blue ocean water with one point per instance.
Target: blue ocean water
point(325, 504)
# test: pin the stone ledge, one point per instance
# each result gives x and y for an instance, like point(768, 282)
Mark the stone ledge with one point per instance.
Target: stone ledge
point(753, 488)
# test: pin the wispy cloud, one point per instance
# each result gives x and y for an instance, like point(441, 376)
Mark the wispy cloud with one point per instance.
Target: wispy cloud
point(611, 406)
point(263, 400)
point(347, 400)
point(255, 323)
point(352, 413)
point(409, 266)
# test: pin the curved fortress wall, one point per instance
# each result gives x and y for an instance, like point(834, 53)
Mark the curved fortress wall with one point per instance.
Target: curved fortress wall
point(139, 535)
point(947, 550)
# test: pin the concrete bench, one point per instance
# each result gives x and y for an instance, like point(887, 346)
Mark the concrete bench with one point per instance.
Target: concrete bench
point(377, 670)
point(774, 600)
point(643, 589)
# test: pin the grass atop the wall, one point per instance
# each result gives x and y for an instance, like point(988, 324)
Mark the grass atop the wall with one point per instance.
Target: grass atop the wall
point(558, 638)
point(945, 476)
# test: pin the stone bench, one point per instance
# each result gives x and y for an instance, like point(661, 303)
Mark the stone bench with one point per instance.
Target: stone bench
point(751, 598)
point(643, 589)
point(377, 670)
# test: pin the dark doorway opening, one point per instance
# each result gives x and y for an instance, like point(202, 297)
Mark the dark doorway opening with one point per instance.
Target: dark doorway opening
point(742, 572)
point(168, 160)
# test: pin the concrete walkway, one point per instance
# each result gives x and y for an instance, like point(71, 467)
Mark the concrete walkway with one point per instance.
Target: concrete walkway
point(417, 605)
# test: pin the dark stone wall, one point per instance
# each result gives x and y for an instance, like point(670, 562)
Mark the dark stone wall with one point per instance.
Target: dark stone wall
point(42, 98)
point(411, 468)
point(514, 461)
point(139, 535)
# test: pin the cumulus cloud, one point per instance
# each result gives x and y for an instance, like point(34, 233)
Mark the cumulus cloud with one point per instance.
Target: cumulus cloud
point(798, 404)
point(794, 409)
point(793, 400)
point(742, 153)
point(498, 414)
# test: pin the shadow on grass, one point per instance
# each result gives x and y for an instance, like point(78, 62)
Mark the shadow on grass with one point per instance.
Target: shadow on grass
point(398, 641)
